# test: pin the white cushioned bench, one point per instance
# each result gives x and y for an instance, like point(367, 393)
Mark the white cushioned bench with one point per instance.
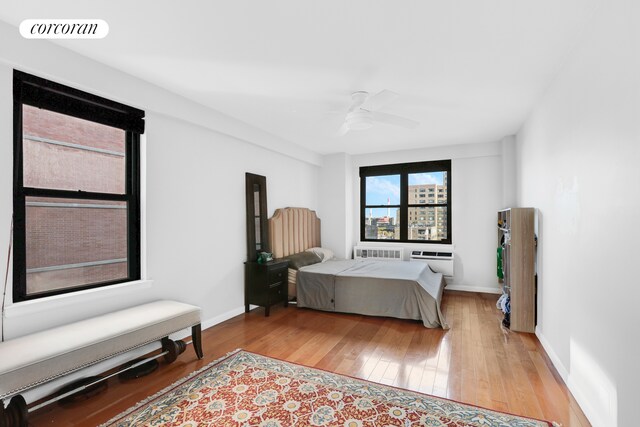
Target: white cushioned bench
point(34, 359)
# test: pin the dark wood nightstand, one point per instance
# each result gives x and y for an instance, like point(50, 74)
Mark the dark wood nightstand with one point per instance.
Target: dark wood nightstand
point(265, 284)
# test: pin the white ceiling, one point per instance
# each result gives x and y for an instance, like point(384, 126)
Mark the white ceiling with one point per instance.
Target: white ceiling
point(468, 70)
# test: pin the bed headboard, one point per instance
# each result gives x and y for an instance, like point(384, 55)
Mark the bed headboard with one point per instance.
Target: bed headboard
point(293, 230)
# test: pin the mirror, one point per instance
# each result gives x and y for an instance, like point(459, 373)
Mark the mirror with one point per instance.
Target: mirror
point(257, 226)
point(257, 217)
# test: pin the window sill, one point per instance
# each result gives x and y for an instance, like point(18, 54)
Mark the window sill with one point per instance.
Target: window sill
point(62, 301)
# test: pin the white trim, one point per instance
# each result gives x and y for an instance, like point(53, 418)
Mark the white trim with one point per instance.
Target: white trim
point(592, 415)
point(481, 289)
point(208, 323)
point(143, 206)
point(588, 410)
point(555, 360)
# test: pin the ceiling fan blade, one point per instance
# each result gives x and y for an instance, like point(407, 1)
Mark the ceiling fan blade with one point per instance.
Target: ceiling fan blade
point(379, 100)
point(394, 120)
point(344, 129)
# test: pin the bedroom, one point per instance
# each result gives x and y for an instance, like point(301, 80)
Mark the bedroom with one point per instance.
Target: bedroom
point(572, 155)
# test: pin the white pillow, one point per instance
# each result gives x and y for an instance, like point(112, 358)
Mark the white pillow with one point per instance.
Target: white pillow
point(324, 254)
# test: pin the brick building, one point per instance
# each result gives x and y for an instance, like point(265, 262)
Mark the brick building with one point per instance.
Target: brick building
point(73, 241)
point(427, 223)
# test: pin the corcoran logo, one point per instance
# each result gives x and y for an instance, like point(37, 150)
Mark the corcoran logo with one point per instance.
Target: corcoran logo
point(64, 28)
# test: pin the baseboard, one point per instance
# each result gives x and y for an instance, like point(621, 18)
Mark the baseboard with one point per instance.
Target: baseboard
point(481, 289)
point(208, 323)
point(555, 360)
point(222, 317)
point(591, 414)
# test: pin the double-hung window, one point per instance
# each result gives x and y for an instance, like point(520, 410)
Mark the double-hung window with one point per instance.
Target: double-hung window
point(76, 191)
point(393, 205)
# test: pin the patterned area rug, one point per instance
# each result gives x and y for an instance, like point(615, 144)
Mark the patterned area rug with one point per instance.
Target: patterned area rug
point(246, 389)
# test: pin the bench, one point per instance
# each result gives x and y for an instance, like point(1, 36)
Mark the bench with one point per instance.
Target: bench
point(35, 359)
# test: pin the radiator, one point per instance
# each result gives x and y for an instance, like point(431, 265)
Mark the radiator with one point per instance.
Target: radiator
point(441, 262)
point(381, 254)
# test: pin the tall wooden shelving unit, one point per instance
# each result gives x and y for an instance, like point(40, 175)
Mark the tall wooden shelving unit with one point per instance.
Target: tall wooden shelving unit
point(516, 230)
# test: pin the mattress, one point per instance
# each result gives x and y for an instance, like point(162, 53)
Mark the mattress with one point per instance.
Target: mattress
point(405, 290)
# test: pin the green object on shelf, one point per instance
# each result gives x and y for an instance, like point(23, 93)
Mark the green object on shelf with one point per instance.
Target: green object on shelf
point(264, 257)
point(500, 272)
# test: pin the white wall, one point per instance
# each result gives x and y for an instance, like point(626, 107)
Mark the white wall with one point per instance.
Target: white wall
point(195, 209)
point(335, 210)
point(509, 174)
point(476, 174)
point(579, 157)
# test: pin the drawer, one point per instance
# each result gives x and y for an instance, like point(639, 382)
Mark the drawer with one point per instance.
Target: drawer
point(276, 292)
point(279, 275)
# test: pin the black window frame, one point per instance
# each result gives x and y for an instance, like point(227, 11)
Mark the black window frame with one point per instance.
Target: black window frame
point(404, 170)
point(45, 94)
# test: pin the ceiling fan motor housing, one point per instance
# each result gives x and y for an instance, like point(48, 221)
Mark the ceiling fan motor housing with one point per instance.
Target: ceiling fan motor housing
point(359, 120)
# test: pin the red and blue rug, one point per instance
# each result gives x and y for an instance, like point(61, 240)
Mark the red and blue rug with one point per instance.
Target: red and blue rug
point(246, 389)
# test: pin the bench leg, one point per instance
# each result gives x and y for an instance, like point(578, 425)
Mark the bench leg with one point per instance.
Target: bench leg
point(14, 415)
point(174, 349)
point(196, 338)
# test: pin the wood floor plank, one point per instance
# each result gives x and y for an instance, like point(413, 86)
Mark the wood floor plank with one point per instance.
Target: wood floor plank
point(415, 360)
point(476, 361)
point(468, 379)
point(430, 366)
point(396, 374)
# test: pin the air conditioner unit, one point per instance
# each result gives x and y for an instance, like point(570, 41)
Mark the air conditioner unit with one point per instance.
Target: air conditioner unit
point(441, 262)
point(381, 254)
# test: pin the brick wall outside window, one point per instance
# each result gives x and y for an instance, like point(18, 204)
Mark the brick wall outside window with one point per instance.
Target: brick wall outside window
point(57, 234)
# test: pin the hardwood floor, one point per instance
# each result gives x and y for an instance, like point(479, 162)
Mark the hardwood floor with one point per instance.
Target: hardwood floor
point(476, 361)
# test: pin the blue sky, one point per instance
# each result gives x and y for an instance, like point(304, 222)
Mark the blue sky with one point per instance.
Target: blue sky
point(381, 188)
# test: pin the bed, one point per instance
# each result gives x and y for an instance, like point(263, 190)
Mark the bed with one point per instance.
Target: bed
point(397, 289)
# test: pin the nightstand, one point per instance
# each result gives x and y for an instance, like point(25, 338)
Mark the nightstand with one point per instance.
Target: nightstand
point(265, 284)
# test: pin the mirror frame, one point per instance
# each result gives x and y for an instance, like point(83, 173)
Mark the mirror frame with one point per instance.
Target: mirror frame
point(251, 181)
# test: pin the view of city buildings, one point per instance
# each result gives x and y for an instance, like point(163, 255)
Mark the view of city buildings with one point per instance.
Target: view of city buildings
point(383, 227)
point(425, 221)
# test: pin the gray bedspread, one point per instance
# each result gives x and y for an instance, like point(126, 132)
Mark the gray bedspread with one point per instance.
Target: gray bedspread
point(405, 290)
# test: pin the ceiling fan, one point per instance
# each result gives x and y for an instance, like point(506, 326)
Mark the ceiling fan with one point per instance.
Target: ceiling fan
point(363, 112)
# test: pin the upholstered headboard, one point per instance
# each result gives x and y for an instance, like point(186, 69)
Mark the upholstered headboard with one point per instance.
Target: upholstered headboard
point(293, 230)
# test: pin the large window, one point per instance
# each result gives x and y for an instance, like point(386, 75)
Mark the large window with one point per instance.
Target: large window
point(408, 202)
point(76, 189)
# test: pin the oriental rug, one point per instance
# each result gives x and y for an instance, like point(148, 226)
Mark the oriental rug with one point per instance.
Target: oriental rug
point(246, 389)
